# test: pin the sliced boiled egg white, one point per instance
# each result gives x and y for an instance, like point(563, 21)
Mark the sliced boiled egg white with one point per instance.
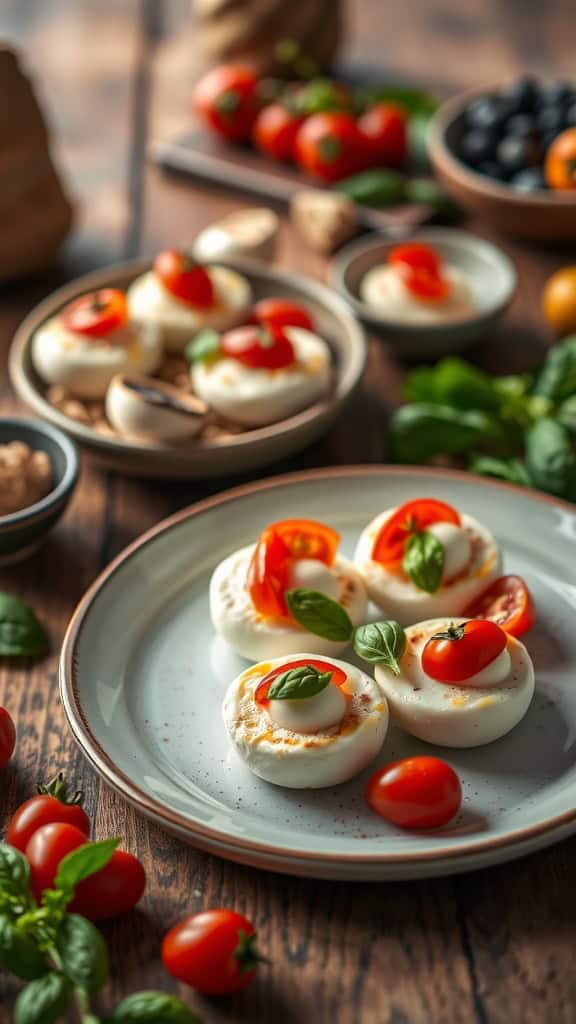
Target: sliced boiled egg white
point(151, 410)
point(255, 637)
point(253, 396)
point(149, 302)
point(466, 714)
point(472, 561)
point(311, 742)
point(84, 365)
point(384, 290)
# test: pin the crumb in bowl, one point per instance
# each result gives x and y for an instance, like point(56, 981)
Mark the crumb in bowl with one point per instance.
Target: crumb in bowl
point(25, 476)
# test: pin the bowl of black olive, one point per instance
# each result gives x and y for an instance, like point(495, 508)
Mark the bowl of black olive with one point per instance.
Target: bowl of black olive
point(489, 149)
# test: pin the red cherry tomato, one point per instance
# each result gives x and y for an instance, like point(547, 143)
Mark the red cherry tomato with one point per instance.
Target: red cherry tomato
point(226, 99)
point(463, 650)
point(330, 147)
point(96, 315)
point(261, 695)
point(49, 806)
point(384, 126)
point(409, 518)
point(7, 738)
point(282, 313)
point(46, 848)
point(507, 602)
point(416, 256)
point(213, 951)
point(418, 792)
point(422, 271)
point(275, 131)
point(184, 278)
point(265, 348)
point(277, 546)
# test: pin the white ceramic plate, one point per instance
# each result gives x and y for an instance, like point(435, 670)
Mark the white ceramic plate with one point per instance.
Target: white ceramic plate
point(142, 680)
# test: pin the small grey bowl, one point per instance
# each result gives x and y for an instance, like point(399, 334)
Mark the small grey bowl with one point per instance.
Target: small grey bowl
point(21, 533)
point(490, 274)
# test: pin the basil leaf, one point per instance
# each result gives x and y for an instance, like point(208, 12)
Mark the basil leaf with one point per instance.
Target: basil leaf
point(511, 470)
point(319, 614)
point(153, 1008)
point(376, 187)
point(414, 101)
point(14, 872)
point(83, 953)
point(455, 383)
point(19, 954)
point(299, 683)
point(557, 378)
point(551, 458)
point(81, 863)
point(21, 635)
point(417, 432)
point(566, 415)
point(43, 1001)
point(424, 561)
point(204, 346)
point(381, 643)
point(426, 190)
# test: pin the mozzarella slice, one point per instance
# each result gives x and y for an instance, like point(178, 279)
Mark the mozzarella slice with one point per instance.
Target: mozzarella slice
point(255, 397)
point(151, 410)
point(322, 711)
point(457, 545)
point(401, 599)
point(384, 290)
point(313, 759)
point(469, 714)
point(255, 637)
point(150, 303)
point(85, 366)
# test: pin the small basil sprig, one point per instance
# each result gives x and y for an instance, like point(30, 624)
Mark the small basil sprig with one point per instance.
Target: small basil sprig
point(423, 561)
point(319, 614)
point(204, 346)
point(21, 635)
point(299, 683)
point(381, 643)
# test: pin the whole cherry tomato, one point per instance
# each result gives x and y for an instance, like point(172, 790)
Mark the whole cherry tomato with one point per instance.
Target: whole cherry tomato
point(422, 271)
point(330, 146)
point(559, 301)
point(7, 738)
point(226, 98)
point(50, 805)
point(275, 131)
point(282, 313)
point(263, 348)
point(384, 127)
point(418, 792)
point(560, 162)
point(213, 951)
point(508, 603)
point(184, 278)
point(338, 676)
point(96, 315)
point(46, 848)
point(412, 517)
point(463, 650)
point(279, 545)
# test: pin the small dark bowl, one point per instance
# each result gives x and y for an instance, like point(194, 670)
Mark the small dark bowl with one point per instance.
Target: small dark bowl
point(22, 532)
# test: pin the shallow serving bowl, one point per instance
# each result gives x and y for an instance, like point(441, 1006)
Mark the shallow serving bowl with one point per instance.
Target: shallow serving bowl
point(542, 216)
point(201, 458)
point(489, 271)
point(22, 532)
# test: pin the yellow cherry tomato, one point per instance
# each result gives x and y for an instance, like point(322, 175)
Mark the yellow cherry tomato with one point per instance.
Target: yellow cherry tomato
point(560, 163)
point(559, 300)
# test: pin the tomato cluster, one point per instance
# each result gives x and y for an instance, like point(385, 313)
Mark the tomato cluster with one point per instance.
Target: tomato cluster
point(329, 139)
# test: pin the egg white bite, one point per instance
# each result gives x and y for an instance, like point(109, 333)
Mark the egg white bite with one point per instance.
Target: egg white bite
point(151, 410)
point(256, 637)
point(308, 743)
point(472, 561)
point(468, 714)
point(84, 365)
point(149, 302)
point(255, 397)
point(384, 290)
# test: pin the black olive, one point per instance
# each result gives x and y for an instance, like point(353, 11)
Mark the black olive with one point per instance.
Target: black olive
point(514, 153)
point(486, 113)
point(476, 146)
point(531, 179)
point(492, 170)
point(555, 94)
point(550, 119)
point(521, 95)
point(547, 140)
point(570, 118)
point(521, 125)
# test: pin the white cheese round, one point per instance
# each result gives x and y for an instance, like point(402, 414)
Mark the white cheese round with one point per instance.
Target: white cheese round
point(384, 290)
point(151, 410)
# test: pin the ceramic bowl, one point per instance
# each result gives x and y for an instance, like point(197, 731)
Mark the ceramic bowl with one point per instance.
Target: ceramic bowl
point(542, 216)
point(22, 532)
point(223, 456)
point(490, 274)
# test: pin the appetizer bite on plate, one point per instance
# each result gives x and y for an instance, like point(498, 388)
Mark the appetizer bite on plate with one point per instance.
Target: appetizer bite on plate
point(304, 723)
point(425, 559)
point(179, 297)
point(291, 590)
point(416, 286)
point(152, 410)
point(90, 341)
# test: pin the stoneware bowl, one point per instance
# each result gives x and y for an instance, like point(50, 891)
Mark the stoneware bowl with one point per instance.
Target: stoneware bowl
point(543, 216)
point(490, 274)
point(22, 532)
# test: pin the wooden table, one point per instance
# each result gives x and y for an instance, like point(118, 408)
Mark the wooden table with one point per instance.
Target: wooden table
point(494, 946)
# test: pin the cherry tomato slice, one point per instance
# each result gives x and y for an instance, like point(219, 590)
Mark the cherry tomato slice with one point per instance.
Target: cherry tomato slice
point(426, 286)
point(214, 952)
point(97, 314)
point(508, 603)
point(413, 516)
point(463, 650)
point(339, 677)
point(418, 792)
point(7, 737)
point(278, 544)
point(416, 257)
point(262, 348)
point(282, 313)
point(184, 278)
